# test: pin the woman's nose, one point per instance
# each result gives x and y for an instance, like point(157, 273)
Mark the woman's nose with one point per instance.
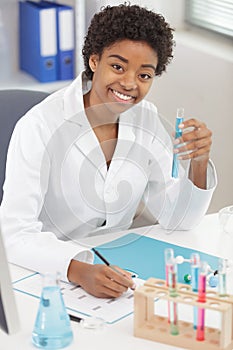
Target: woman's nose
point(128, 81)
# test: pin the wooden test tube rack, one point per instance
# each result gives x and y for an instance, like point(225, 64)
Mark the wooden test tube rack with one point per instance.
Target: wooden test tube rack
point(148, 325)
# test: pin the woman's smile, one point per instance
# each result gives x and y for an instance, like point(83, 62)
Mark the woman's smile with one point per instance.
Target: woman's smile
point(122, 97)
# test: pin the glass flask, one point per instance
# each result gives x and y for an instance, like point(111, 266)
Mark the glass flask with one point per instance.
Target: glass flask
point(52, 329)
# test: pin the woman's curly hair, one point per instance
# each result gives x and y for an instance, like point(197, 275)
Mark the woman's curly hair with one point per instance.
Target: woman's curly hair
point(116, 23)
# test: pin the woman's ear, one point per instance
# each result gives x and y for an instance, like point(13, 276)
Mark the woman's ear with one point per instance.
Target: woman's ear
point(93, 62)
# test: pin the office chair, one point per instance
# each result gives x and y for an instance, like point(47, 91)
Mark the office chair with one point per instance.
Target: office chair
point(13, 105)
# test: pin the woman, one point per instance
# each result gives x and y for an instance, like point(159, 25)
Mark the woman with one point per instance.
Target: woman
point(89, 154)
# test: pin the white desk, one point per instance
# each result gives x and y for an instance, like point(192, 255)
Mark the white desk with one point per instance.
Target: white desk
point(206, 237)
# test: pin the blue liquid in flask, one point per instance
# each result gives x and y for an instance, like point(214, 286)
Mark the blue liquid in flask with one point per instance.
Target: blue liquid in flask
point(52, 329)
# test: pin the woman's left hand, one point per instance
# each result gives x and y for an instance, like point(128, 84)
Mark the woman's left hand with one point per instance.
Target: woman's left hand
point(194, 143)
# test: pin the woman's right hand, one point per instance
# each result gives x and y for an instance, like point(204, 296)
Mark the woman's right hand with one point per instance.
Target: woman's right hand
point(100, 280)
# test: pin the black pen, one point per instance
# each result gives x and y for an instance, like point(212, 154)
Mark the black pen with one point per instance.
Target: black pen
point(101, 257)
point(108, 264)
point(75, 318)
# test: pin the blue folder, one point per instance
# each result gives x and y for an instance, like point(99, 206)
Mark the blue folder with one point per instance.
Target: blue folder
point(145, 256)
point(38, 40)
point(65, 39)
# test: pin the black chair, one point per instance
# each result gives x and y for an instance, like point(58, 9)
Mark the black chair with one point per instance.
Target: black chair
point(13, 105)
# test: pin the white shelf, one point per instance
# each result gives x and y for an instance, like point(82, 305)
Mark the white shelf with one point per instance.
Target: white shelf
point(22, 80)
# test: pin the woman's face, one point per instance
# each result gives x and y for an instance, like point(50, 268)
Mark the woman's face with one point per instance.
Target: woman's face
point(122, 75)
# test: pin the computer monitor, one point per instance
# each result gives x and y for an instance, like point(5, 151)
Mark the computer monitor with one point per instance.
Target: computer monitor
point(9, 320)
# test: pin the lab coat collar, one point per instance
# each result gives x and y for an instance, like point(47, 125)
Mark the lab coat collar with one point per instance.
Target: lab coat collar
point(73, 99)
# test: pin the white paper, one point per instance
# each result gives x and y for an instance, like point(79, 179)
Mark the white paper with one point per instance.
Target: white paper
point(76, 299)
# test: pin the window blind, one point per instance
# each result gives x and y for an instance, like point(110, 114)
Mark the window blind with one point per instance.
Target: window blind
point(216, 15)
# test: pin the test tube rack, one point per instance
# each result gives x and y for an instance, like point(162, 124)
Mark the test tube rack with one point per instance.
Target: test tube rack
point(150, 326)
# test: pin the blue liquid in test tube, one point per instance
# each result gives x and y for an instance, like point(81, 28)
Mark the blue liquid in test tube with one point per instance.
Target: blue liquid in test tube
point(178, 133)
point(195, 266)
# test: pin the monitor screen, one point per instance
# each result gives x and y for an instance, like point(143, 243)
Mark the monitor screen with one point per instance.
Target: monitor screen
point(9, 320)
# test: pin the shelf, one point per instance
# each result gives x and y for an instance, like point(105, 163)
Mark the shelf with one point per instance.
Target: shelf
point(22, 80)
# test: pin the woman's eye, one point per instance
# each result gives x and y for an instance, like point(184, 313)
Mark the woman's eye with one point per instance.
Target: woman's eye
point(117, 67)
point(145, 76)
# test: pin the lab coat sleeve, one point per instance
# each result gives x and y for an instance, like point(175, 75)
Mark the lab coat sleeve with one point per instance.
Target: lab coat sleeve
point(177, 204)
point(24, 190)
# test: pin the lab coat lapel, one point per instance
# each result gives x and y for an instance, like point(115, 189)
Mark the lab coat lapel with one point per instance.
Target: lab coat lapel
point(86, 140)
point(126, 138)
point(90, 148)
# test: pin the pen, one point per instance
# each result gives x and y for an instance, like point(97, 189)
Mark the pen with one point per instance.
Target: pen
point(178, 133)
point(108, 264)
point(75, 318)
point(101, 257)
point(106, 261)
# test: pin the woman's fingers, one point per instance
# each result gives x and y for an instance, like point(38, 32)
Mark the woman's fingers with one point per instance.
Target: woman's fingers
point(100, 280)
point(195, 142)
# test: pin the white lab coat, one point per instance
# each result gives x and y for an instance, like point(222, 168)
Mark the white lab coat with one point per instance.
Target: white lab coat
point(58, 188)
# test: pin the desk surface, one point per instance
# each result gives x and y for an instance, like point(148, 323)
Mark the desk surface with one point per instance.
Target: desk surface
point(206, 237)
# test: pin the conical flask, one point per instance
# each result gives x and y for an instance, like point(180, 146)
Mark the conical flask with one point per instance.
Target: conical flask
point(52, 329)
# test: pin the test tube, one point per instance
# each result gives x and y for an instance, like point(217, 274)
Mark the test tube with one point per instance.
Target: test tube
point(178, 133)
point(202, 299)
point(222, 270)
point(169, 256)
point(171, 276)
point(169, 259)
point(195, 265)
point(171, 271)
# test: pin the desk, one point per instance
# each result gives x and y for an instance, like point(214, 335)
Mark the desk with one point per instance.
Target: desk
point(206, 237)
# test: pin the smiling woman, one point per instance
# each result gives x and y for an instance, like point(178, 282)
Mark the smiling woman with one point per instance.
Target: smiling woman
point(99, 153)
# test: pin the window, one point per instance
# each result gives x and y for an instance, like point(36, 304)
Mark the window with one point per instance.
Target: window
point(215, 15)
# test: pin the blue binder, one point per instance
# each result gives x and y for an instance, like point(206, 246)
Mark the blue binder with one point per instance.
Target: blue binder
point(65, 40)
point(38, 40)
point(144, 256)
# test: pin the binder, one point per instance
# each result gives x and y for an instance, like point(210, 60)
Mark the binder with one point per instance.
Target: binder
point(65, 40)
point(38, 40)
point(128, 252)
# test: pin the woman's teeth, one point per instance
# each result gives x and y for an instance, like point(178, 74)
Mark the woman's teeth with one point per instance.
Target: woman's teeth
point(122, 96)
